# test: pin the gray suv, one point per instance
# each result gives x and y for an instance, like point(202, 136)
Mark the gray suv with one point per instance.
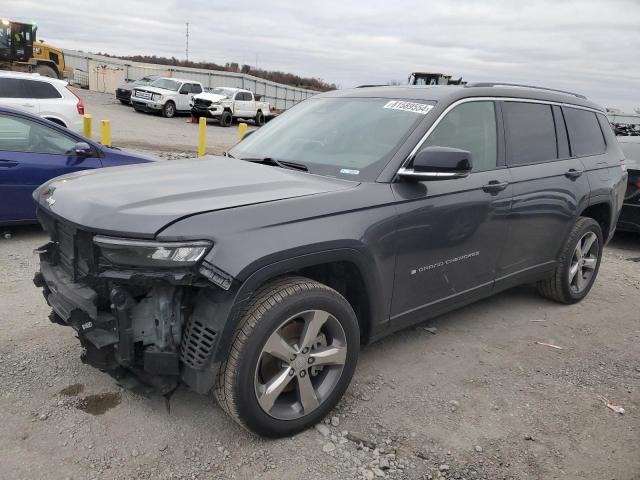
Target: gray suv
point(258, 275)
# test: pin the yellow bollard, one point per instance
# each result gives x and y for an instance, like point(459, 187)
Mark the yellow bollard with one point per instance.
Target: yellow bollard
point(202, 136)
point(242, 130)
point(86, 124)
point(105, 133)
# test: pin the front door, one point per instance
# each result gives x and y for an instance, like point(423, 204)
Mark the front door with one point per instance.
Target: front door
point(451, 232)
point(30, 154)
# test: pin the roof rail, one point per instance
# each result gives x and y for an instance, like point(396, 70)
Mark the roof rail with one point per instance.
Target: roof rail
point(502, 84)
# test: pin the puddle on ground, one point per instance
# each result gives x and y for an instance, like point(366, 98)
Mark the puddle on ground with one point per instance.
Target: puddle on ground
point(99, 403)
point(72, 390)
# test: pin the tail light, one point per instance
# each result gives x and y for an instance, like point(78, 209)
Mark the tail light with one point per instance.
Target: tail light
point(80, 104)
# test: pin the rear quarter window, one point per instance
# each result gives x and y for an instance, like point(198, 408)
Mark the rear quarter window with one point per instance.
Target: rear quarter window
point(531, 133)
point(41, 90)
point(585, 135)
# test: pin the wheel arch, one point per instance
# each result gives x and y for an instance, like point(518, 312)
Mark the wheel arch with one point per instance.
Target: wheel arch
point(601, 211)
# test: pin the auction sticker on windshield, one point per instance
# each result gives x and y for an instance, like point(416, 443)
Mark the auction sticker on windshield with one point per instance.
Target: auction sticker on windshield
point(420, 108)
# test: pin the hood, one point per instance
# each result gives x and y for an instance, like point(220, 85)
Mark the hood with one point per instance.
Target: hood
point(127, 156)
point(140, 200)
point(151, 89)
point(214, 97)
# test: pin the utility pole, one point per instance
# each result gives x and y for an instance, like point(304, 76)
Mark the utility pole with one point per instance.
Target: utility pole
point(187, 41)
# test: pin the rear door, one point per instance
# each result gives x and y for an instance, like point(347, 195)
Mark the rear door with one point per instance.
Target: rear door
point(30, 154)
point(48, 99)
point(549, 189)
point(451, 232)
point(14, 94)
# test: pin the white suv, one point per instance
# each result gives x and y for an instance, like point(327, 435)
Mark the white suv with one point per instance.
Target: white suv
point(46, 97)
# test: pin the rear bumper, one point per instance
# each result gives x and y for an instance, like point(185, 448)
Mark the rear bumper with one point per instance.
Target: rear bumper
point(123, 95)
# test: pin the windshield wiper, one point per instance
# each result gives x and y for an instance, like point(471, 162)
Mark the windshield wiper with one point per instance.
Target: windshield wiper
point(278, 163)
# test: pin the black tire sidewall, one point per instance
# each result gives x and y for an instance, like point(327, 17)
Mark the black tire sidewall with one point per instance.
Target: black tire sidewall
point(259, 119)
point(169, 106)
point(248, 408)
point(226, 119)
point(587, 226)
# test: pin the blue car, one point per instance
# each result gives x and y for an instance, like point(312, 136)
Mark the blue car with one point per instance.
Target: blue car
point(34, 150)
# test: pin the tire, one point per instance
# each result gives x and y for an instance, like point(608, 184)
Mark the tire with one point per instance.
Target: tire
point(281, 309)
point(259, 119)
point(169, 109)
point(45, 71)
point(125, 102)
point(564, 287)
point(226, 119)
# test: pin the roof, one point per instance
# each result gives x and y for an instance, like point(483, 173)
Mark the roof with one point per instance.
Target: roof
point(451, 93)
point(31, 76)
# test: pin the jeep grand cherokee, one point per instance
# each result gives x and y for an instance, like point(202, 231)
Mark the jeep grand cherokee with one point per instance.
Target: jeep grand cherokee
point(257, 276)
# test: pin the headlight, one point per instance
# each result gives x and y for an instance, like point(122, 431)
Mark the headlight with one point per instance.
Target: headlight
point(141, 253)
point(156, 97)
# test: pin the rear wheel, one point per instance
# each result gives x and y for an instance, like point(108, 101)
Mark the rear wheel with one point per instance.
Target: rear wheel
point(226, 119)
point(291, 359)
point(259, 118)
point(578, 264)
point(169, 109)
point(46, 71)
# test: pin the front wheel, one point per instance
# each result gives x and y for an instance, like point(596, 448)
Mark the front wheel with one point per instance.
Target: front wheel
point(578, 264)
point(226, 119)
point(291, 359)
point(169, 109)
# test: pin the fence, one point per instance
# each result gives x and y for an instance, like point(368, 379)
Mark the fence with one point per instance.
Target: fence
point(86, 66)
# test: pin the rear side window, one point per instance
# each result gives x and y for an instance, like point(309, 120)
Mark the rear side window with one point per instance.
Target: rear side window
point(41, 90)
point(11, 88)
point(531, 133)
point(585, 136)
point(472, 127)
point(195, 88)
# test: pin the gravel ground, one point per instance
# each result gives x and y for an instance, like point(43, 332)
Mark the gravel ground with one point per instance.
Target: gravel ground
point(469, 395)
point(153, 132)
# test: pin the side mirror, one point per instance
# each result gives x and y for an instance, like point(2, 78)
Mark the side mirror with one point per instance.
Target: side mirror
point(438, 163)
point(82, 150)
point(183, 91)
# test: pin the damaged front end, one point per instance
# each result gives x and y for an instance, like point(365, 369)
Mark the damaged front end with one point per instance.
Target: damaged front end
point(149, 313)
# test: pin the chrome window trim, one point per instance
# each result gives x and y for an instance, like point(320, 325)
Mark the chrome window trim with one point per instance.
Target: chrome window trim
point(485, 99)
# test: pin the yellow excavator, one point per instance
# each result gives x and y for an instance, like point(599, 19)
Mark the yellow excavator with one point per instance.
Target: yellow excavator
point(20, 52)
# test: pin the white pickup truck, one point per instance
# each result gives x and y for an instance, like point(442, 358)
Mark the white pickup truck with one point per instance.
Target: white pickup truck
point(166, 95)
point(226, 104)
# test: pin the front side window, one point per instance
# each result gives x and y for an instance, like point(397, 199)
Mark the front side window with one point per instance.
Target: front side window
point(472, 127)
point(195, 88)
point(585, 136)
point(166, 83)
point(531, 133)
point(22, 135)
point(345, 137)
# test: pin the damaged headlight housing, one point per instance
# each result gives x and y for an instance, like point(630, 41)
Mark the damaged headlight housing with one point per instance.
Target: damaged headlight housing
point(142, 253)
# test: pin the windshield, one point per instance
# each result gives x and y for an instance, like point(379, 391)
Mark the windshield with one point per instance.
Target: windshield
point(166, 83)
point(227, 92)
point(351, 138)
point(145, 80)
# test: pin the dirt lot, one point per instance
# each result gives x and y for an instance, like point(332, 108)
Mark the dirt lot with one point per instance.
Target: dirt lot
point(475, 398)
point(153, 132)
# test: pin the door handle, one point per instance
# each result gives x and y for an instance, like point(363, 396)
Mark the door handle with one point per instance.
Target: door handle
point(495, 186)
point(8, 163)
point(28, 105)
point(573, 173)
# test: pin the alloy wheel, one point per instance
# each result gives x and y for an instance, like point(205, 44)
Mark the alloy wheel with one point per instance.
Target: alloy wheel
point(583, 262)
point(300, 364)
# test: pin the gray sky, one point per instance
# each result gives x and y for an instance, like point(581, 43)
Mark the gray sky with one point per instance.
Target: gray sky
point(588, 46)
